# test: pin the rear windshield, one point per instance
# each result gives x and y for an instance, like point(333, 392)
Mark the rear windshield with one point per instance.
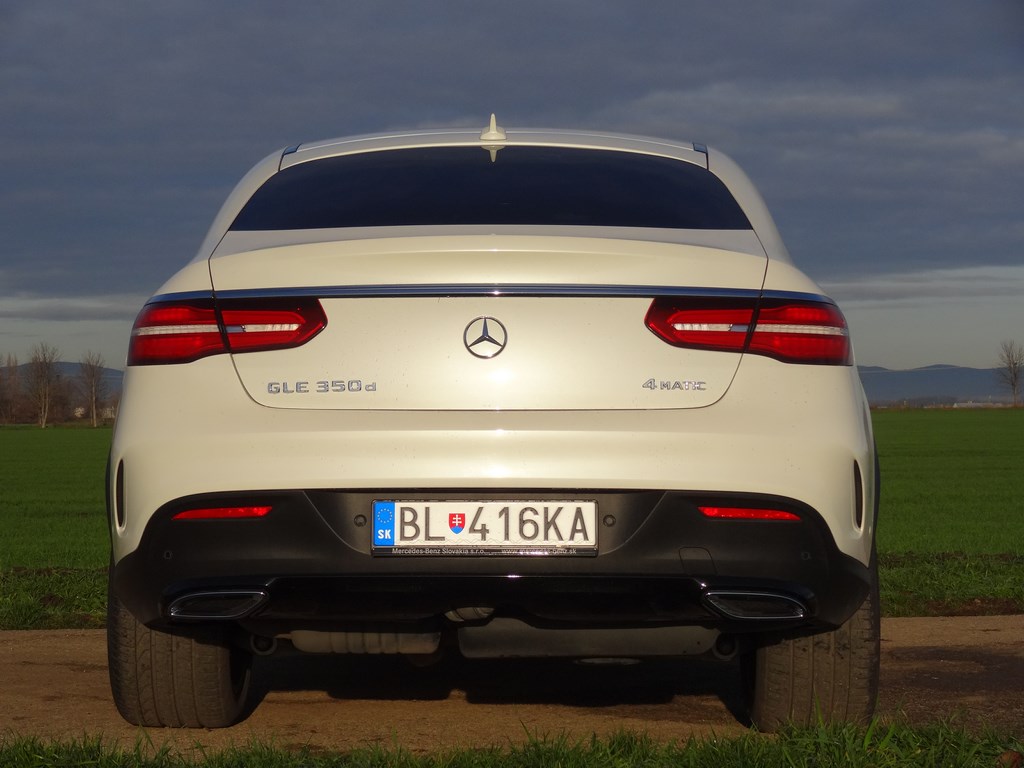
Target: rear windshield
point(522, 185)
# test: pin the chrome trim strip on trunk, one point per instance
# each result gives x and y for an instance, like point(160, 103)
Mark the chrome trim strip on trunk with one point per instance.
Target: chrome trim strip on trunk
point(483, 289)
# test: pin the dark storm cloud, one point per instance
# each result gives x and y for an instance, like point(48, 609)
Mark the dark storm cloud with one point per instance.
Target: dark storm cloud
point(886, 136)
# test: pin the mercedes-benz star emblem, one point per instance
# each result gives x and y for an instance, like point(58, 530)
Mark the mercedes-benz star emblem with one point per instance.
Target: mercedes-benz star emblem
point(485, 337)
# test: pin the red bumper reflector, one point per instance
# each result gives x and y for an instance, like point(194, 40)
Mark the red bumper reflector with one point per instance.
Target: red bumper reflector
point(747, 513)
point(222, 513)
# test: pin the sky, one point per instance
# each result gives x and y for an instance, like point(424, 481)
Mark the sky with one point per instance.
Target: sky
point(886, 137)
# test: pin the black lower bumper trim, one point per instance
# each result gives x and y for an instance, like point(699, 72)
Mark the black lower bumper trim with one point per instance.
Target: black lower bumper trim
point(658, 559)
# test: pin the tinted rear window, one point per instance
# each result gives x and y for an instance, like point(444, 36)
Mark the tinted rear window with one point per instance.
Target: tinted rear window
point(461, 185)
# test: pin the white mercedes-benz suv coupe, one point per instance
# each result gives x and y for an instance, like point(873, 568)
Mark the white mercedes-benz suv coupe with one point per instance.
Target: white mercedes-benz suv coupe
point(506, 393)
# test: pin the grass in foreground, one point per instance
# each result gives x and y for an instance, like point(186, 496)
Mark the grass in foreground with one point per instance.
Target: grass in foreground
point(951, 584)
point(825, 746)
point(53, 598)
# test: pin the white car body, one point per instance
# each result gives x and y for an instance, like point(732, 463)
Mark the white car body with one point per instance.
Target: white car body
point(389, 401)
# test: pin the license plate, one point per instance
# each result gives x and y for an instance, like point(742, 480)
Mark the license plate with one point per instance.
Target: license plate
point(485, 527)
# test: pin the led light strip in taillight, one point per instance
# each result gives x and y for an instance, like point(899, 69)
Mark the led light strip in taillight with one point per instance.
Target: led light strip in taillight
point(263, 328)
point(172, 330)
point(709, 327)
point(811, 330)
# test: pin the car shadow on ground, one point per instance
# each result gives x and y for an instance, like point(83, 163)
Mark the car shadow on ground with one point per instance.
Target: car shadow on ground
point(595, 684)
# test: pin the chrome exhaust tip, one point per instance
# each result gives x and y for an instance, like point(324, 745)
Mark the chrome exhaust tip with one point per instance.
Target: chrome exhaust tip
point(225, 604)
point(755, 605)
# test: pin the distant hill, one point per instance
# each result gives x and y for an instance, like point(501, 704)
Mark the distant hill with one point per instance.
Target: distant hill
point(111, 376)
point(933, 384)
point(70, 372)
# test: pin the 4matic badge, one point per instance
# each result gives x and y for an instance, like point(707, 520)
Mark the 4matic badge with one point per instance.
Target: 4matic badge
point(683, 385)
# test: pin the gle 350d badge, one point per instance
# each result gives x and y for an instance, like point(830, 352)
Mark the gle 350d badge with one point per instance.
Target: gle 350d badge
point(324, 387)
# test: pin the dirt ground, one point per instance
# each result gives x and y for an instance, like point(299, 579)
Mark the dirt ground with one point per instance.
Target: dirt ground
point(54, 685)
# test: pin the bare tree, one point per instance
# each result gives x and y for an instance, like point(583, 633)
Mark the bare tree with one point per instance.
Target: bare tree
point(10, 390)
point(91, 384)
point(42, 380)
point(1011, 363)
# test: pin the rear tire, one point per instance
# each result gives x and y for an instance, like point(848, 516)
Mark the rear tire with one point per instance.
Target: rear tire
point(158, 679)
point(830, 677)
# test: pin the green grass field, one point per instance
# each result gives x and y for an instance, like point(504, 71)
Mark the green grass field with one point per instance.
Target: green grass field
point(952, 481)
point(54, 543)
point(951, 532)
point(52, 497)
point(951, 527)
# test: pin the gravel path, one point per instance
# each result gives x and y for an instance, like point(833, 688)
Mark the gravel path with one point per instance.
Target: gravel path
point(54, 685)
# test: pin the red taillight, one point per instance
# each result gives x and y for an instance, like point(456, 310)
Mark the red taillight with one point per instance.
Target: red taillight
point(802, 332)
point(747, 513)
point(714, 324)
point(222, 513)
point(271, 324)
point(811, 332)
point(181, 332)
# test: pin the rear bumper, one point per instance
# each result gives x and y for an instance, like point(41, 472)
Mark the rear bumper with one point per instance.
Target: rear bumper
point(805, 437)
point(308, 565)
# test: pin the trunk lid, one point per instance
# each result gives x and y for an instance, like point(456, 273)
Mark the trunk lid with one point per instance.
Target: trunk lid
point(479, 322)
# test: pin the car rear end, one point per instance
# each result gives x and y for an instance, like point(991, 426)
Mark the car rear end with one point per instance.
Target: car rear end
point(547, 394)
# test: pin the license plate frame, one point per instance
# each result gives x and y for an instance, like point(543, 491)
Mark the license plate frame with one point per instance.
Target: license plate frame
point(483, 528)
